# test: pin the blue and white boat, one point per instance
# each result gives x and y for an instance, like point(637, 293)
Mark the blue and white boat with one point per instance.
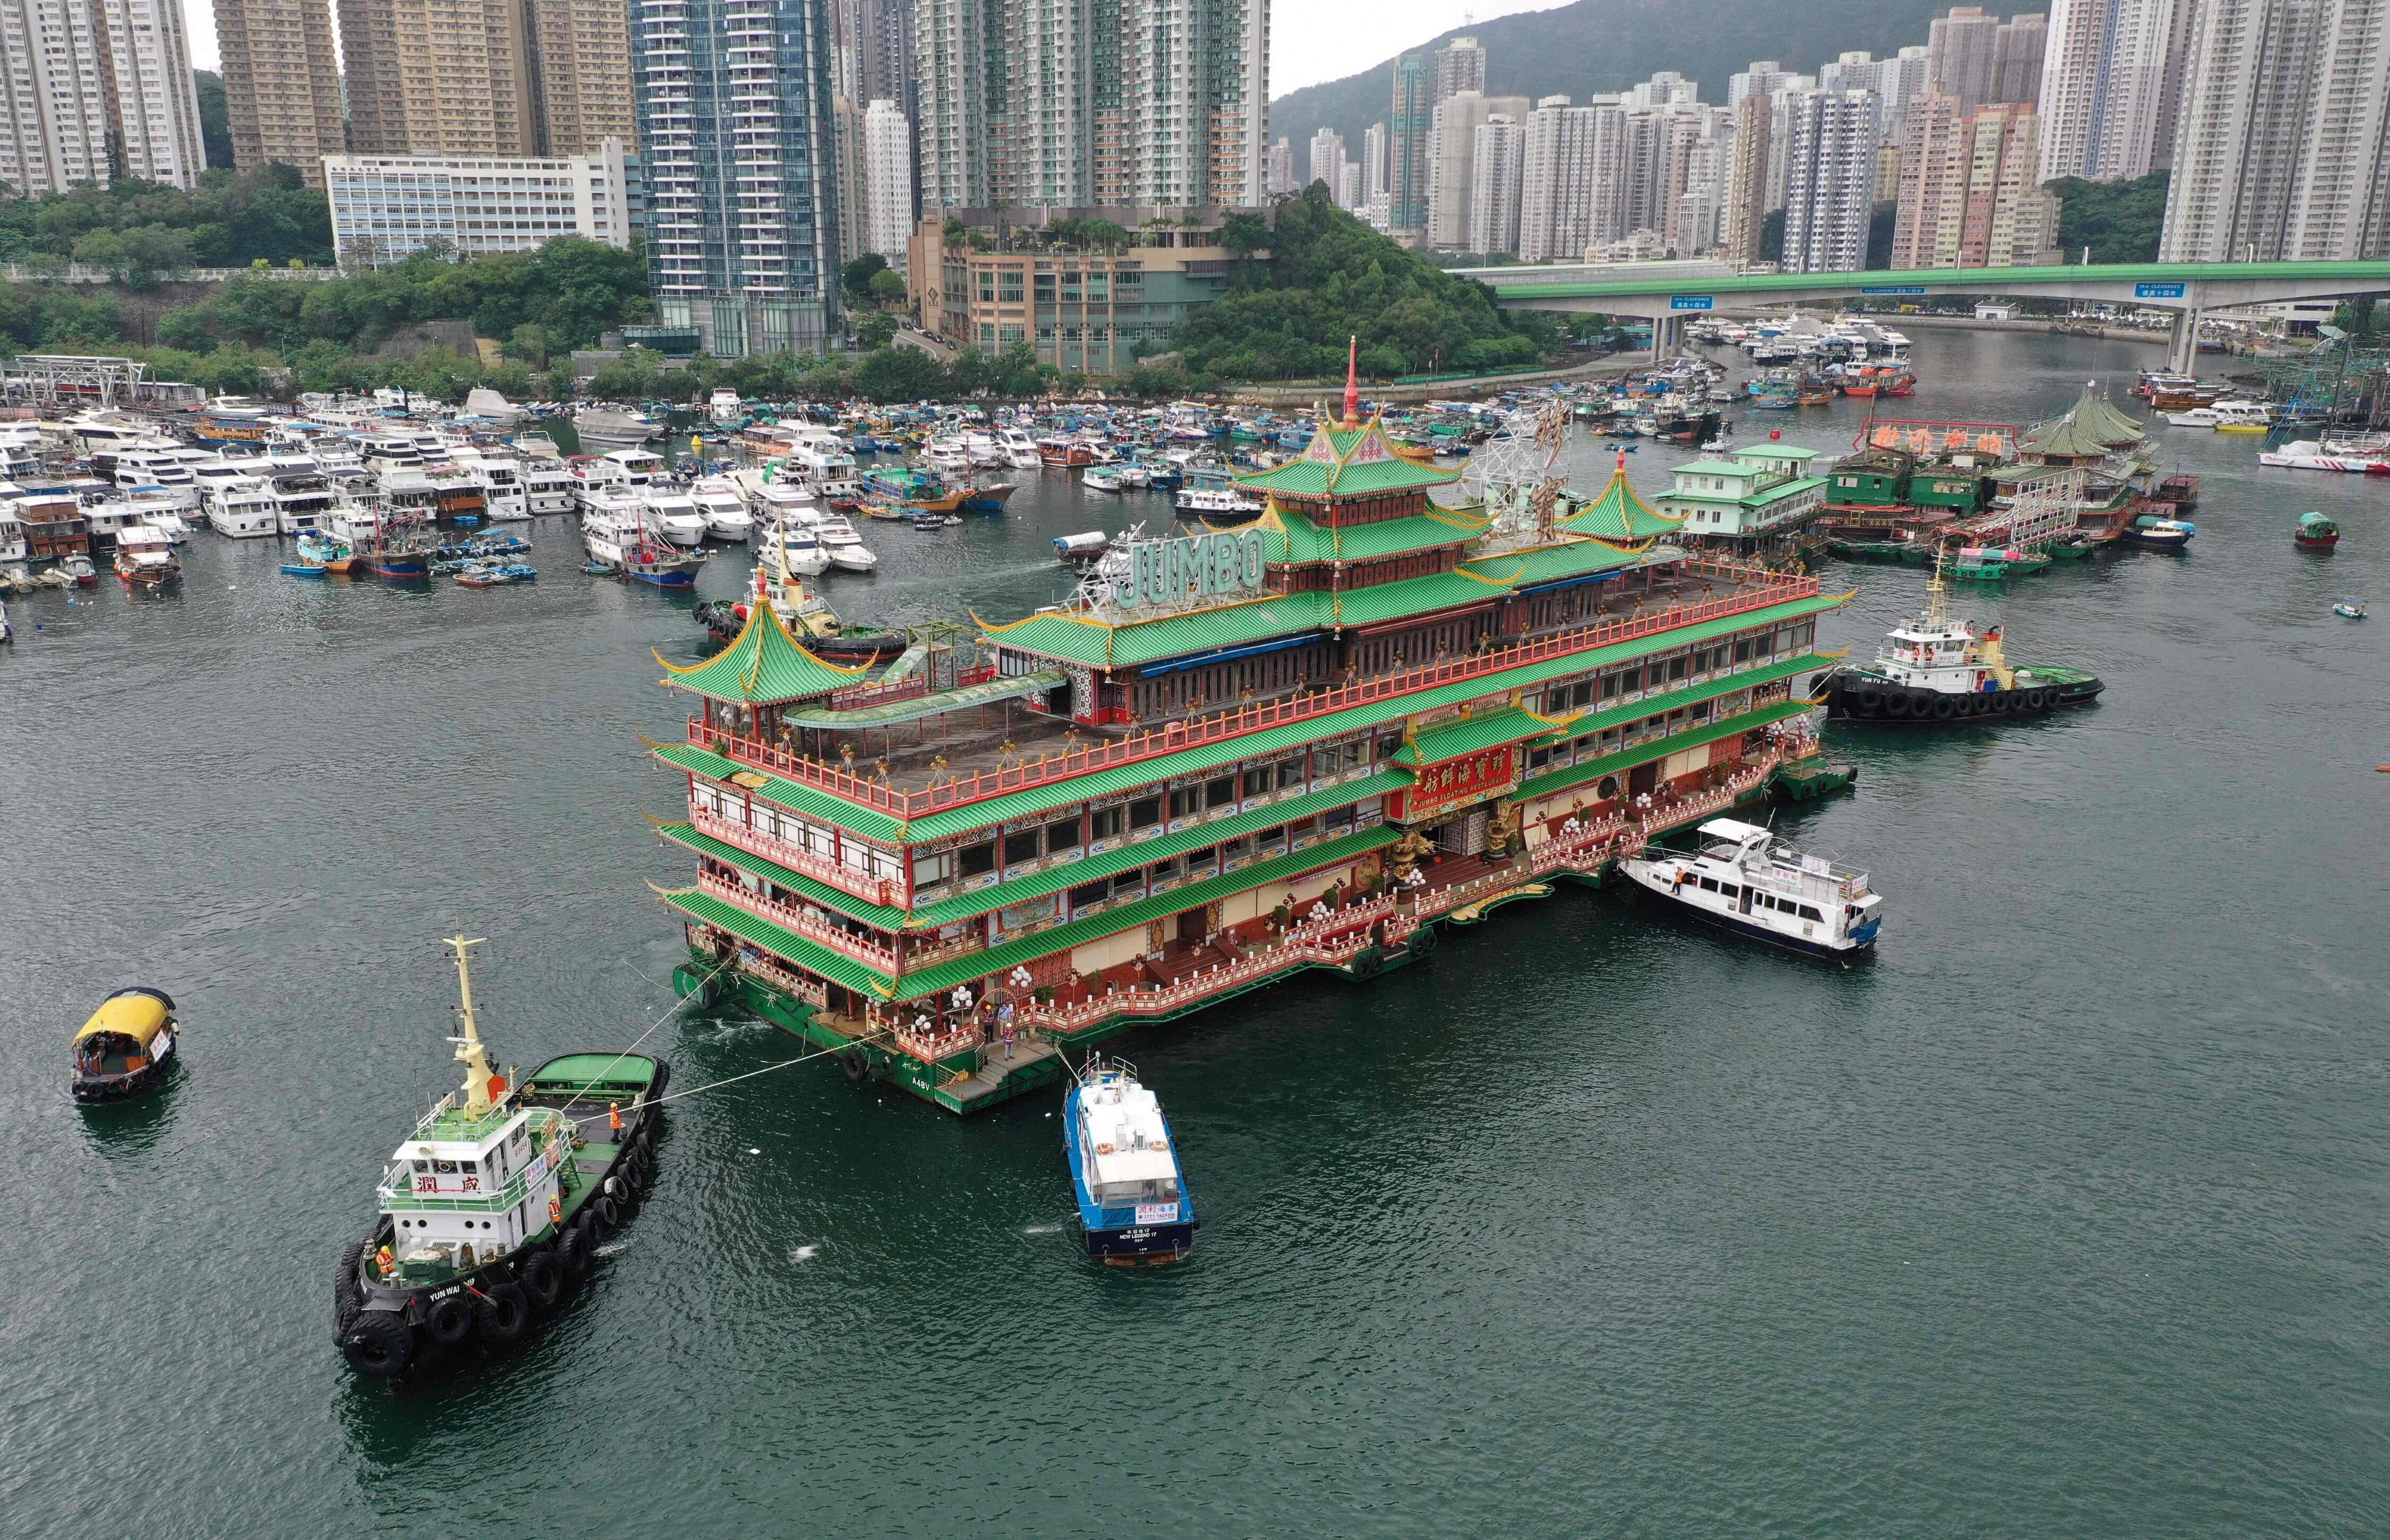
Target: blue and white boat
point(1133, 1199)
point(1743, 881)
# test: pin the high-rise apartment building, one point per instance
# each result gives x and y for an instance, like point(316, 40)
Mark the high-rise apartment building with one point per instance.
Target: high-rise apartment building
point(2109, 82)
point(1373, 161)
point(1765, 77)
point(1742, 207)
point(157, 101)
point(96, 88)
point(486, 77)
point(1830, 182)
point(1281, 167)
point(282, 83)
point(2281, 153)
point(1898, 81)
point(736, 135)
point(1958, 47)
point(887, 180)
point(1969, 190)
point(2017, 51)
point(1496, 153)
point(1451, 161)
point(1079, 102)
point(1460, 66)
point(1325, 161)
point(57, 97)
point(1408, 121)
point(1573, 178)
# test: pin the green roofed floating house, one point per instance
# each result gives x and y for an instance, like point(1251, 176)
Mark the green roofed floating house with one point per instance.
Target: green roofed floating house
point(1299, 745)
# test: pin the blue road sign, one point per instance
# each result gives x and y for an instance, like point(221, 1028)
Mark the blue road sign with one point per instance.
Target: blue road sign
point(2158, 291)
point(1690, 302)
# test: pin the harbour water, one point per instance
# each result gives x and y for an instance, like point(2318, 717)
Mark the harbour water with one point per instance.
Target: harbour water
point(2067, 1216)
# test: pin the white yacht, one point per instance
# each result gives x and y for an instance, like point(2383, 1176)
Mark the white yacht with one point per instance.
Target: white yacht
point(982, 448)
point(775, 500)
point(847, 551)
point(613, 519)
point(302, 492)
point(1742, 879)
point(726, 510)
point(724, 406)
point(238, 499)
point(550, 485)
point(160, 464)
point(947, 452)
point(674, 514)
point(638, 466)
point(1217, 503)
point(14, 547)
point(162, 511)
point(499, 474)
point(1020, 449)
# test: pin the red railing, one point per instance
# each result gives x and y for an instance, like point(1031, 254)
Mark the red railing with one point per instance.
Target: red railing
point(790, 917)
point(796, 858)
point(1766, 589)
point(862, 697)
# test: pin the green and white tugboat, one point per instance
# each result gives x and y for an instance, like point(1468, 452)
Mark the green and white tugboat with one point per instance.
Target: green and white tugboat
point(493, 1209)
point(1938, 669)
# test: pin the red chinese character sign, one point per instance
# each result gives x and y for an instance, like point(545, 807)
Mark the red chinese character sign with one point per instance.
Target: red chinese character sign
point(1454, 783)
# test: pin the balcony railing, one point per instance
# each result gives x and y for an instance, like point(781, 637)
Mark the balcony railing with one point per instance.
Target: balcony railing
point(789, 917)
point(797, 858)
point(1766, 589)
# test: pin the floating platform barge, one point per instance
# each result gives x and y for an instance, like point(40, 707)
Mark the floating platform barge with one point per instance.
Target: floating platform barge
point(1234, 757)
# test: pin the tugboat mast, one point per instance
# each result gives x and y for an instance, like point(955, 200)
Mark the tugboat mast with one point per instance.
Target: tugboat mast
point(468, 1047)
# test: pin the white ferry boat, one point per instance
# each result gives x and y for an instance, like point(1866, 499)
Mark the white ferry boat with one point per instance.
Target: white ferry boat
point(1132, 1199)
point(1218, 504)
point(1744, 881)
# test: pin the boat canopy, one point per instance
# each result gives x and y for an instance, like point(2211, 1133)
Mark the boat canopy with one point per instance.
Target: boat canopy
point(139, 1014)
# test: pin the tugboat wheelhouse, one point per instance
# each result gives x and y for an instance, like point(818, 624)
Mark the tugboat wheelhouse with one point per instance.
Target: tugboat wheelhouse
point(1302, 744)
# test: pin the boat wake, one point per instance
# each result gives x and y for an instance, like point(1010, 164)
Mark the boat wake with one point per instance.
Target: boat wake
point(805, 1254)
point(1043, 1229)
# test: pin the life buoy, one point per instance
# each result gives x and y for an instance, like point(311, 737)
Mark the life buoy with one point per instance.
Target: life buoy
point(1159, 1146)
point(1103, 1149)
point(377, 1344)
point(449, 1322)
point(502, 1311)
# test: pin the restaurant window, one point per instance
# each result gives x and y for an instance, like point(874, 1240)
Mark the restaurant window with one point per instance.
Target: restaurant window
point(1104, 823)
point(1259, 781)
point(1092, 892)
point(976, 860)
point(1182, 802)
point(1021, 847)
point(928, 870)
point(1145, 812)
point(1289, 773)
point(1131, 880)
point(1061, 837)
point(1165, 871)
point(1220, 792)
point(1237, 850)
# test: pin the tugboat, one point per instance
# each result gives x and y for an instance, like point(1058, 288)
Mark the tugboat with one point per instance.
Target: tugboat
point(2314, 532)
point(496, 1204)
point(124, 1051)
point(1132, 1199)
point(1743, 882)
point(1934, 670)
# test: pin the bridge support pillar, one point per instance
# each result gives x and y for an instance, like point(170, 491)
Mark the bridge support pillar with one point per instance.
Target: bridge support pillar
point(2182, 350)
point(1664, 338)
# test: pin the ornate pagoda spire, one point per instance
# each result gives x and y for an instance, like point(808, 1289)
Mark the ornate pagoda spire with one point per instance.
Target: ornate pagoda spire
point(1353, 382)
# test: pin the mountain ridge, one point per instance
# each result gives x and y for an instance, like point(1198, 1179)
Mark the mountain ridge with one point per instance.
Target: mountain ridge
point(1596, 45)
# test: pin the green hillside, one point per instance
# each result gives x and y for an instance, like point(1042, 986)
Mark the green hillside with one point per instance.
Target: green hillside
point(1609, 44)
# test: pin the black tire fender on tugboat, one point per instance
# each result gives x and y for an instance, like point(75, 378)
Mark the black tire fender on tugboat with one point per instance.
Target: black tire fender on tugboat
point(605, 1217)
point(449, 1321)
point(1870, 702)
point(2036, 699)
point(348, 1294)
point(502, 1311)
point(572, 1254)
point(626, 1192)
point(543, 1279)
point(1896, 705)
point(378, 1344)
point(1945, 707)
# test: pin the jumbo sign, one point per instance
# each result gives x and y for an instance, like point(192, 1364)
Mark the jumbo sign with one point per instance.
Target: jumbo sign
point(1172, 571)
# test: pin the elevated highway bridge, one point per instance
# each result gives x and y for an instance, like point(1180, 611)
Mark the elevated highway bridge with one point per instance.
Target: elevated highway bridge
point(1672, 293)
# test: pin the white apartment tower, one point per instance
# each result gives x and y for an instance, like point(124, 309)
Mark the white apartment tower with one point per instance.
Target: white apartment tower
point(2108, 81)
point(1195, 77)
point(1460, 66)
point(887, 198)
point(157, 99)
point(1327, 163)
point(1451, 161)
point(1496, 158)
point(86, 82)
point(2280, 152)
point(1829, 180)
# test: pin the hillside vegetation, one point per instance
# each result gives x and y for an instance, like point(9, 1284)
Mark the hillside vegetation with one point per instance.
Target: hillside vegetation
point(1329, 277)
point(1610, 45)
point(141, 229)
point(2118, 220)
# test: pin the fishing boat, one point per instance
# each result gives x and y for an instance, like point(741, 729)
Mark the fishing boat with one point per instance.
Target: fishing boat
point(125, 1047)
point(1132, 1199)
point(2349, 609)
point(144, 556)
point(1938, 669)
point(495, 574)
point(1995, 563)
point(1741, 879)
point(321, 554)
point(653, 562)
point(2162, 533)
point(987, 496)
point(1104, 478)
point(496, 1204)
point(2314, 532)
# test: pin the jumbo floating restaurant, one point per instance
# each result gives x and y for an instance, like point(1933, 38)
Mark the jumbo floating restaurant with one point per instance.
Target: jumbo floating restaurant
point(1302, 745)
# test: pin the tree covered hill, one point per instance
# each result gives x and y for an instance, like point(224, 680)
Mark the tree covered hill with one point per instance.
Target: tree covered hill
point(1609, 44)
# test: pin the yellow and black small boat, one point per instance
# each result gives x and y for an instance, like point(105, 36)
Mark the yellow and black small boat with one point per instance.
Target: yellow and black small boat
point(124, 1051)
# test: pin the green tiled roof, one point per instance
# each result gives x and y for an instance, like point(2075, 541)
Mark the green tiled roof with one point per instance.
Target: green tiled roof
point(2091, 427)
point(763, 665)
point(870, 823)
point(1187, 761)
point(828, 962)
point(1626, 758)
point(1318, 479)
point(1289, 538)
point(1550, 563)
point(912, 708)
point(1418, 595)
point(1466, 734)
point(941, 976)
point(1715, 467)
point(1103, 644)
point(1146, 852)
point(1619, 514)
point(814, 888)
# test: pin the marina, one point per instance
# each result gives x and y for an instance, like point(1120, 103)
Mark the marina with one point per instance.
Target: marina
point(1579, 1174)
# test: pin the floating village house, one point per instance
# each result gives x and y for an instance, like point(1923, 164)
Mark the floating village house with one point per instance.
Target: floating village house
point(1303, 744)
point(1739, 499)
